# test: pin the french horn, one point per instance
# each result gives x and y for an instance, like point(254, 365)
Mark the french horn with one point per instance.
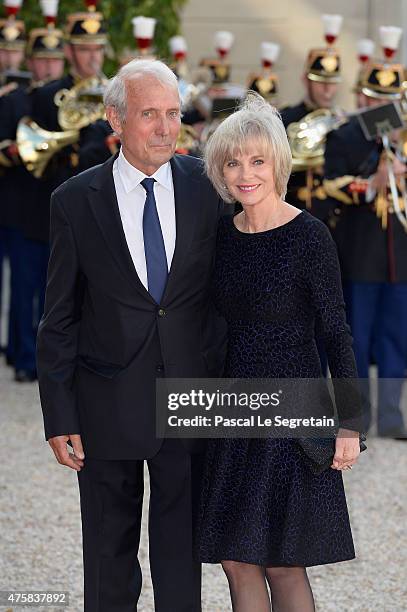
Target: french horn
point(307, 137)
point(78, 107)
point(36, 146)
point(81, 105)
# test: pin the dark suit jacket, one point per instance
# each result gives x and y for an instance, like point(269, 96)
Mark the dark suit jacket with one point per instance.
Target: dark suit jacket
point(103, 340)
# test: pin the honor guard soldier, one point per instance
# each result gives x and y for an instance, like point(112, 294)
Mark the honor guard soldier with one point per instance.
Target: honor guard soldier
point(12, 44)
point(365, 47)
point(222, 96)
point(191, 89)
point(179, 50)
point(28, 259)
point(74, 103)
point(220, 66)
point(321, 78)
point(361, 179)
point(86, 136)
point(265, 82)
point(44, 51)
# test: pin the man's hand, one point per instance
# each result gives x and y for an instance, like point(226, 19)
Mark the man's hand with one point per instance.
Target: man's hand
point(399, 168)
point(381, 178)
point(73, 460)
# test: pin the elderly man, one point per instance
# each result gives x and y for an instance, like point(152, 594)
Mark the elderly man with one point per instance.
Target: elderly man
point(132, 247)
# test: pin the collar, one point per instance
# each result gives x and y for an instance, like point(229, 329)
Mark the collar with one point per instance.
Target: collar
point(309, 104)
point(132, 177)
point(74, 76)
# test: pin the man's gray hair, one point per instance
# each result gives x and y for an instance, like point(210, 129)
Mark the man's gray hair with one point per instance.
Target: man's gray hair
point(115, 92)
point(257, 121)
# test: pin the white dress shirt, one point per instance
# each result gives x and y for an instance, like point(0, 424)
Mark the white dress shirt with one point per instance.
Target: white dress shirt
point(131, 197)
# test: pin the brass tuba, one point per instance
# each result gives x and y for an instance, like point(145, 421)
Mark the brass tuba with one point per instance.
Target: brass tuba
point(307, 137)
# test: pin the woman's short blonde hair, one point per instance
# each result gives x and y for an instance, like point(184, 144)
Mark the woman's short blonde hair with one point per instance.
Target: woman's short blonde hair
point(258, 121)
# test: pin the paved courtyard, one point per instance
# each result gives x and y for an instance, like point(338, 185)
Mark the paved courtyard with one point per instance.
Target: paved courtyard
point(40, 534)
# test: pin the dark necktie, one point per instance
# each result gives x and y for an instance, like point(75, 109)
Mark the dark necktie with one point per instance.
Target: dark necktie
point(156, 260)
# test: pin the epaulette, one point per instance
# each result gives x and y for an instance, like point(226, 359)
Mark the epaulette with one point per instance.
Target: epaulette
point(8, 88)
point(346, 189)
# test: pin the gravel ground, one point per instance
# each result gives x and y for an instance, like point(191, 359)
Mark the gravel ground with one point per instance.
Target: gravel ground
point(40, 536)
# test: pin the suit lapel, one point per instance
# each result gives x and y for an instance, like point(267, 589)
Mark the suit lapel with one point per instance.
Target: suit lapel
point(185, 216)
point(103, 202)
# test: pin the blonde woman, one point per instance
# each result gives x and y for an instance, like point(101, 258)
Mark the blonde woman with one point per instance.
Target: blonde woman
point(264, 514)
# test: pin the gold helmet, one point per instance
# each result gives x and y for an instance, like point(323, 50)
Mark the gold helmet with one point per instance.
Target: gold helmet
point(323, 64)
point(220, 67)
point(266, 82)
point(365, 48)
point(47, 41)
point(178, 48)
point(12, 30)
point(385, 79)
point(86, 27)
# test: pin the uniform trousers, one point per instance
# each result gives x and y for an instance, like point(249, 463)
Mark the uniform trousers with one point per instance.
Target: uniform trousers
point(30, 308)
point(28, 274)
point(377, 315)
point(12, 243)
point(3, 257)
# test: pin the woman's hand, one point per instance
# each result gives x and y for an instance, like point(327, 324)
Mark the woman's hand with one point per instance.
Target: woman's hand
point(347, 449)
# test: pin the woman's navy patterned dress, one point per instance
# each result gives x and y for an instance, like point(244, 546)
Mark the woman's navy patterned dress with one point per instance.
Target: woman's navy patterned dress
point(260, 502)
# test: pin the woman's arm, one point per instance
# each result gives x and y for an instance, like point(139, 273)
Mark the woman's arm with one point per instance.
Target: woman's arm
point(324, 280)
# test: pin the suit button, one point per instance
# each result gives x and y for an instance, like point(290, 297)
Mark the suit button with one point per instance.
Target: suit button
point(161, 312)
point(159, 368)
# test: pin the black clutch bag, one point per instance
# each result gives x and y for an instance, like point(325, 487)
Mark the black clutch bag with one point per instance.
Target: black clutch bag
point(319, 452)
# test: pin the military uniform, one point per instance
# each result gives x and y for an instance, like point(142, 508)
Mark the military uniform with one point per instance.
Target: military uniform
point(13, 187)
point(323, 65)
point(265, 82)
point(305, 187)
point(220, 66)
point(12, 38)
point(22, 197)
point(90, 149)
point(373, 255)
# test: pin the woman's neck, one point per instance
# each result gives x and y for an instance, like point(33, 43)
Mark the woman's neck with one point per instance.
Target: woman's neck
point(264, 216)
